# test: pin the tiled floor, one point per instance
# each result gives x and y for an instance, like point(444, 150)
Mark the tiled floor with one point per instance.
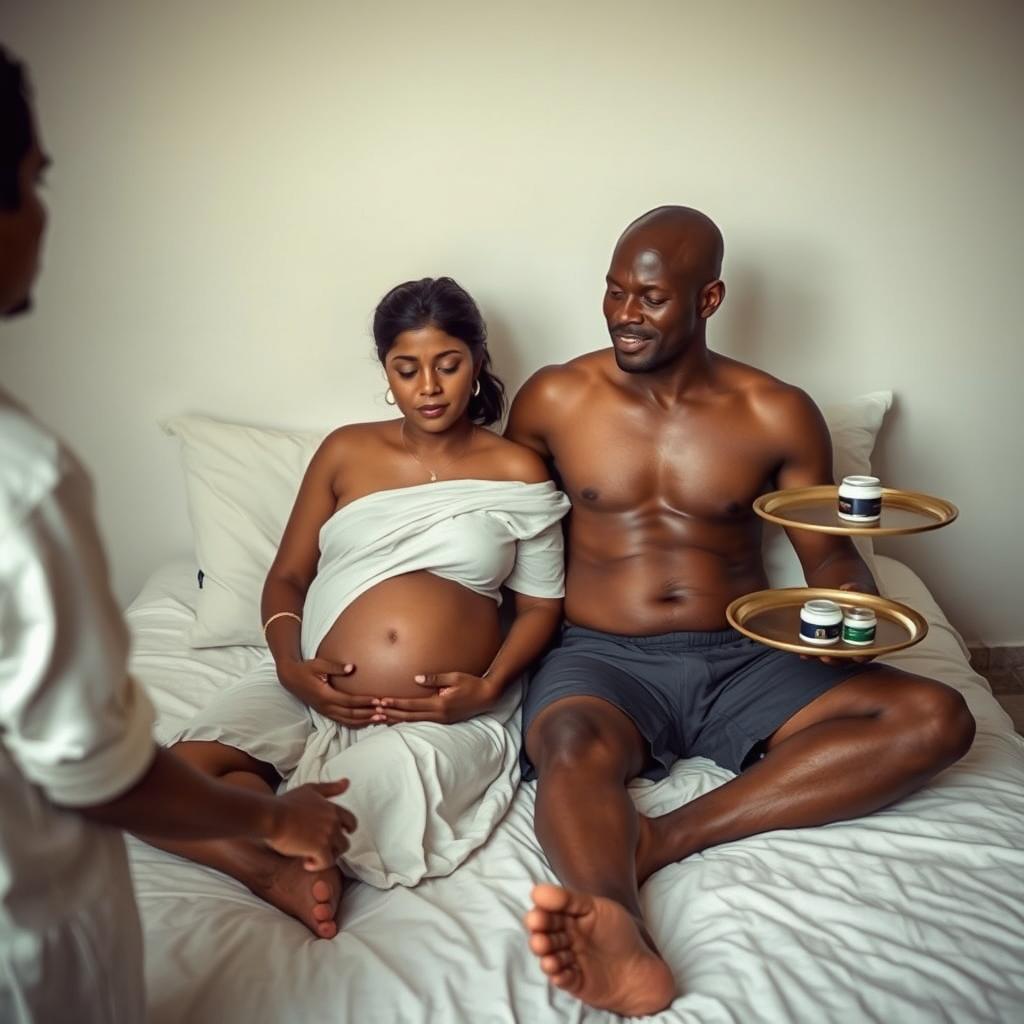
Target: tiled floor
point(1008, 688)
point(1013, 705)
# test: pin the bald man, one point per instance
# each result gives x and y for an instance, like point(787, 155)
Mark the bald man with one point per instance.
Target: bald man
point(662, 446)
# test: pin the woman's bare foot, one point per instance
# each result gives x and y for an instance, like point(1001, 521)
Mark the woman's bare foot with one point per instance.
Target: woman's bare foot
point(594, 949)
point(310, 896)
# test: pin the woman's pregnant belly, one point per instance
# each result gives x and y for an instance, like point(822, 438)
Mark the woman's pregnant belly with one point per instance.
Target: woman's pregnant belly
point(408, 625)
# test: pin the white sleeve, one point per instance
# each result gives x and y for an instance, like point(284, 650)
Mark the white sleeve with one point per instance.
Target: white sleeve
point(70, 716)
point(540, 564)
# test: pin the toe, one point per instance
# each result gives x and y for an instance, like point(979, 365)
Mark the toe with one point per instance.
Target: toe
point(558, 962)
point(542, 921)
point(567, 979)
point(322, 912)
point(562, 901)
point(550, 897)
point(557, 941)
point(322, 891)
point(543, 943)
point(327, 929)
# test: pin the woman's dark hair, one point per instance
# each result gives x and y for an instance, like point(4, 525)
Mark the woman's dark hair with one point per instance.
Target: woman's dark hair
point(442, 303)
point(15, 129)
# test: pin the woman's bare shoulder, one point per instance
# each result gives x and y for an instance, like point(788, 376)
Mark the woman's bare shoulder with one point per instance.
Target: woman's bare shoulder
point(355, 440)
point(348, 448)
point(513, 461)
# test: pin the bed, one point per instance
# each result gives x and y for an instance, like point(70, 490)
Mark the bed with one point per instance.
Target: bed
point(913, 914)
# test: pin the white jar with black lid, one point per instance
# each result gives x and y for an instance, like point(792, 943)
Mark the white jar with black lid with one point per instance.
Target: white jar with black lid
point(821, 622)
point(860, 499)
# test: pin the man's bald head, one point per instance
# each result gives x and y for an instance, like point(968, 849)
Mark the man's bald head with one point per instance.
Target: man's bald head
point(662, 285)
point(687, 240)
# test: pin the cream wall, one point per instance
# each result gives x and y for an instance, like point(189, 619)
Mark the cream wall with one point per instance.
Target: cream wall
point(237, 183)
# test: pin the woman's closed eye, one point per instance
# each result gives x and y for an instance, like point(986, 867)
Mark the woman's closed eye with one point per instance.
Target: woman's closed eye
point(450, 369)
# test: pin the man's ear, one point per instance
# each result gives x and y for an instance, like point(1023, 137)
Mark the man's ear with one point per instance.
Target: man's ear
point(711, 297)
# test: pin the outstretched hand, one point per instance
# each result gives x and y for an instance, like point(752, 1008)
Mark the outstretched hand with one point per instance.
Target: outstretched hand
point(453, 697)
point(310, 826)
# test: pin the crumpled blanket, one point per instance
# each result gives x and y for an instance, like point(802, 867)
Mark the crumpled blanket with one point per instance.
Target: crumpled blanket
point(426, 795)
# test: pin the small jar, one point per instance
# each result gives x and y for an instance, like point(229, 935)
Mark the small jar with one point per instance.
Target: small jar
point(860, 499)
point(859, 626)
point(821, 622)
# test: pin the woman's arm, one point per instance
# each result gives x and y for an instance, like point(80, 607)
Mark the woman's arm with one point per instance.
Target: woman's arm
point(528, 638)
point(294, 565)
point(288, 580)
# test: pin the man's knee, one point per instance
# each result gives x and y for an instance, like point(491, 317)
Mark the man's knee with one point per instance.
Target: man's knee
point(950, 721)
point(584, 737)
point(939, 719)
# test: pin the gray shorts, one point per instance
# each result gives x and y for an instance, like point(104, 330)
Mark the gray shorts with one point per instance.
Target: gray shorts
point(718, 695)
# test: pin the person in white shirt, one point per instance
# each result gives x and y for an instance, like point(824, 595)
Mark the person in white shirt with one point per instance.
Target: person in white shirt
point(76, 750)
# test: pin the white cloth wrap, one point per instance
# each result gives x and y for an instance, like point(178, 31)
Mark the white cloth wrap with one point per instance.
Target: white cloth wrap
point(426, 795)
point(480, 533)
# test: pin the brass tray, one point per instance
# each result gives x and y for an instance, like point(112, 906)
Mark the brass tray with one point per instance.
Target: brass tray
point(772, 617)
point(814, 508)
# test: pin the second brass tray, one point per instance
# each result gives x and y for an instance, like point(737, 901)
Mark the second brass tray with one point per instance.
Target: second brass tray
point(772, 617)
point(815, 508)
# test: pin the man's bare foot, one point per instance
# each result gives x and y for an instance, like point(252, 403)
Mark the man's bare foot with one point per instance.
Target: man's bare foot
point(310, 896)
point(594, 949)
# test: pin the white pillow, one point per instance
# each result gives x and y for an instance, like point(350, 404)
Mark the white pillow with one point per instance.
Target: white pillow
point(241, 483)
point(854, 425)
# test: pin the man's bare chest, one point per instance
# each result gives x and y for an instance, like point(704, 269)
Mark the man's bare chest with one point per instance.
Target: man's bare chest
point(703, 467)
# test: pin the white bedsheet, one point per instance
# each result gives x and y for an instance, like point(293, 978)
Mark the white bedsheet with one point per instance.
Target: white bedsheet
point(914, 914)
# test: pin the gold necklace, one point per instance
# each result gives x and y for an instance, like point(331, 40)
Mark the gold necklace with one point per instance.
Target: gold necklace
point(433, 473)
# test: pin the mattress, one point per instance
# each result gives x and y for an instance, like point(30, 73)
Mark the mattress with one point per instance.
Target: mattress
point(913, 914)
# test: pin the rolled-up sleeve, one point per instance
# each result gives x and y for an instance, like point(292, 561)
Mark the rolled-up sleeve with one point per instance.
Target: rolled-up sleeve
point(539, 569)
point(70, 715)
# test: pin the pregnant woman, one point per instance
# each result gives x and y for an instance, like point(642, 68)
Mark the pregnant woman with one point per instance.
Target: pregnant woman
point(381, 612)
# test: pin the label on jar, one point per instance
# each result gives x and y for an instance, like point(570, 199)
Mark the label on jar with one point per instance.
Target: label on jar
point(862, 508)
point(858, 634)
point(819, 634)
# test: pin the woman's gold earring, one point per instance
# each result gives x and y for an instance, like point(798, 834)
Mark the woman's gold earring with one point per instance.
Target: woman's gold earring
point(389, 397)
point(476, 387)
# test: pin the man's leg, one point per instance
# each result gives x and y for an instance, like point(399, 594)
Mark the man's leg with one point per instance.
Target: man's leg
point(310, 896)
point(590, 937)
point(862, 745)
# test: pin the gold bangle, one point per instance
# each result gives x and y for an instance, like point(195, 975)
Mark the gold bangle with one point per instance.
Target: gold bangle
point(278, 615)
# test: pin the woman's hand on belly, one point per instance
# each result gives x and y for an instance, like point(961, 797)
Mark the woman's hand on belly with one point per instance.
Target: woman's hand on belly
point(453, 697)
point(403, 627)
point(310, 682)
